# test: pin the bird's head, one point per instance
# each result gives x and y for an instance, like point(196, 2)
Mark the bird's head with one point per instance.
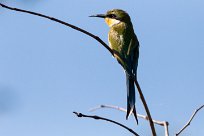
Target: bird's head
point(114, 16)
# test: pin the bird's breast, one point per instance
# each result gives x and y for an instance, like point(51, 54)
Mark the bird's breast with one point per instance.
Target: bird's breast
point(115, 40)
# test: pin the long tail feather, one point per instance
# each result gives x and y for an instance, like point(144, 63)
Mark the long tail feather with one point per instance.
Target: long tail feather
point(130, 97)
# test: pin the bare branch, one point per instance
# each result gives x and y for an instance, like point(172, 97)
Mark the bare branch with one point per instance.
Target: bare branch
point(113, 52)
point(166, 129)
point(161, 123)
point(146, 108)
point(189, 122)
point(62, 22)
point(102, 118)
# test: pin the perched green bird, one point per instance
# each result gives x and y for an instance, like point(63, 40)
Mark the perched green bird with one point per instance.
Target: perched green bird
point(123, 40)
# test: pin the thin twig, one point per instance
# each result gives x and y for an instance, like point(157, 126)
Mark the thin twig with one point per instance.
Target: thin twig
point(189, 122)
point(161, 123)
point(113, 52)
point(62, 22)
point(146, 108)
point(102, 118)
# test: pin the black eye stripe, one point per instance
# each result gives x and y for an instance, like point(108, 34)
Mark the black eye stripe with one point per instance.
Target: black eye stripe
point(111, 16)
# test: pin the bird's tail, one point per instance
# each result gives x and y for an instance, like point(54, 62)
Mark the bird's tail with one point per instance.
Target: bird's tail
point(130, 97)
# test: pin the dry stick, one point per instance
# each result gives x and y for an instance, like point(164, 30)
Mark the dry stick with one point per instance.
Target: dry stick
point(189, 122)
point(100, 41)
point(62, 22)
point(166, 129)
point(146, 108)
point(102, 118)
point(161, 123)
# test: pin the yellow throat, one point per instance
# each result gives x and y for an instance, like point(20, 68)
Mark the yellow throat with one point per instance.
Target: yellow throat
point(110, 22)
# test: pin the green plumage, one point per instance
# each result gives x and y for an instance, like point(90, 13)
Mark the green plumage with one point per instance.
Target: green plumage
point(123, 40)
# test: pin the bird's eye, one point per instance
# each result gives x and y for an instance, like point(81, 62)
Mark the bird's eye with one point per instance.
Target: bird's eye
point(112, 16)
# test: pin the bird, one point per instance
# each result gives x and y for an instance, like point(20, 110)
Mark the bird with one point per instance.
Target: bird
point(123, 40)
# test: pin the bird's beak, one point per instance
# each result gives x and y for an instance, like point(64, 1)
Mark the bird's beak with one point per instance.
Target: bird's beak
point(99, 15)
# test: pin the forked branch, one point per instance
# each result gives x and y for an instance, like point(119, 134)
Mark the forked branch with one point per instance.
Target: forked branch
point(165, 124)
point(190, 120)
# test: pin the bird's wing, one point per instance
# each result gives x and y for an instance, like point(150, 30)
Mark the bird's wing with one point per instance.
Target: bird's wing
point(135, 57)
point(133, 54)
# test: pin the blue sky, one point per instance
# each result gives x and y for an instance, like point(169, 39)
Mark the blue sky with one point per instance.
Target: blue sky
point(49, 70)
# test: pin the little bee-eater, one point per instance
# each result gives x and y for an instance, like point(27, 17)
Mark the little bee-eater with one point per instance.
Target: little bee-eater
point(123, 40)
